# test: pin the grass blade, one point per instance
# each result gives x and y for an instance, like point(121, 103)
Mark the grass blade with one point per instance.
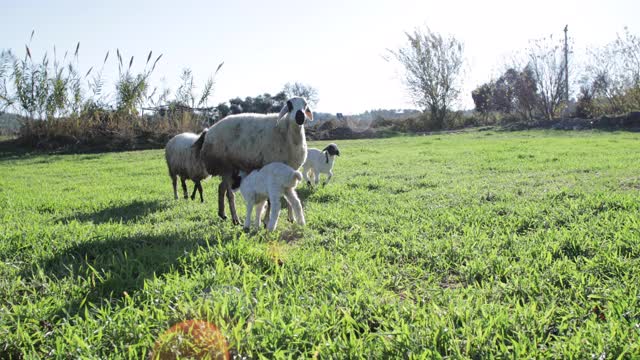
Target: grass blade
point(218, 69)
point(155, 62)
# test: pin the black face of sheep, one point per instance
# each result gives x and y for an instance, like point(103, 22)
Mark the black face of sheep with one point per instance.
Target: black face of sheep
point(299, 108)
point(236, 180)
point(332, 149)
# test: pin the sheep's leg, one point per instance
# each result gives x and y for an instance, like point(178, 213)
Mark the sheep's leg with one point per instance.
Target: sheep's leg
point(174, 181)
point(259, 211)
point(200, 190)
point(195, 188)
point(184, 187)
point(221, 189)
point(275, 210)
point(328, 178)
point(316, 176)
point(294, 202)
point(232, 203)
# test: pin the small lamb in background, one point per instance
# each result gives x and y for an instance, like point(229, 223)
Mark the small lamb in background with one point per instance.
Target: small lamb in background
point(183, 159)
point(271, 182)
point(320, 162)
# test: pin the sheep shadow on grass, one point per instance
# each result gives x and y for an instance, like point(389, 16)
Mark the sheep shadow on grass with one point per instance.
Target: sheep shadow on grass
point(304, 192)
point(125, 213)
point(113, 267)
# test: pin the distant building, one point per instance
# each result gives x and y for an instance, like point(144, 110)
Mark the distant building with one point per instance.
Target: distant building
point(340, 116)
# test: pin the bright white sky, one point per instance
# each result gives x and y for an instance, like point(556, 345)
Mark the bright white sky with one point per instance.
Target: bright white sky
point(334, 45)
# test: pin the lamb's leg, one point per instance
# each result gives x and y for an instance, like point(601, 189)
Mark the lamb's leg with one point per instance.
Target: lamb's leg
point(275, 210)
point(328, 178)
point(200, 190)
point(259, 210)
point(247, 220)
point(305, 175)
point(294, 202)
point(195, 188)
point(221, 189)
point(290, 215)
point(316, 176)
point(184, 187)
point(232, 202)
point(266, 216)
point(312, 177)
point(174, 181)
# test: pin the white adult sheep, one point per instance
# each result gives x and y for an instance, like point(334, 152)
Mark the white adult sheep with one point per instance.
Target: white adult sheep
point(271, 182)
point(250, 141)
point(320, 162)
point(183, 160)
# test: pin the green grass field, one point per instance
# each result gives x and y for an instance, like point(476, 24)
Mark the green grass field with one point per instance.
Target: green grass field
point(475, 245)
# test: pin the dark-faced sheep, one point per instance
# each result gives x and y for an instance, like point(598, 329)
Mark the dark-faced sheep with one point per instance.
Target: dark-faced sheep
point(250, 141)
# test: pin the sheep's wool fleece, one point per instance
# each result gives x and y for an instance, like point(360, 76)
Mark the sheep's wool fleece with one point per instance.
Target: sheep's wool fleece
point(250, 141)
point(182, 159)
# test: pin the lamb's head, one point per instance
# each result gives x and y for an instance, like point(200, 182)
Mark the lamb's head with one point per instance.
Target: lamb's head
point(236, 179)
point(298, 108)
point(331, 150)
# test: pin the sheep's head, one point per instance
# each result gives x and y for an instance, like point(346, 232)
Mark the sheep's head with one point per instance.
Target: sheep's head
point(297, 107)
point(332, 149)
point(236, 179)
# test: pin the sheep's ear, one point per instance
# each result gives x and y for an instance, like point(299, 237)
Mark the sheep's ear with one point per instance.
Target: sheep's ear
point(326, 154)
point(309, 113)
point(285, 109)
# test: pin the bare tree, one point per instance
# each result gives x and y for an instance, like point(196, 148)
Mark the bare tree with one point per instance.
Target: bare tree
point(546, 63)
point(628, 48)
point(611, 83)
point(433, 71)
point(299, 89)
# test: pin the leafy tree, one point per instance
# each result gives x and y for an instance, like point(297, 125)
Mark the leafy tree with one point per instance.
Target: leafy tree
point(513, 92)
point(483, 98)
point(526, 93)
point(223, 110)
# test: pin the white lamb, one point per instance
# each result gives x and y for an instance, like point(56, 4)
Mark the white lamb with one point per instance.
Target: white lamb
point(271, 182)
point(183, 159)
point(320, 162)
